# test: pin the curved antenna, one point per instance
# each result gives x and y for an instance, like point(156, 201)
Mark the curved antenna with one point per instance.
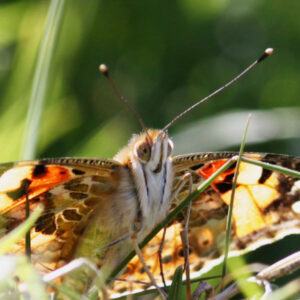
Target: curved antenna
point(104, 70)
point(267, 53)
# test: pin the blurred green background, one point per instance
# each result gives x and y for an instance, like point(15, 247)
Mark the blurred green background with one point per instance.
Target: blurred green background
point(163, 55)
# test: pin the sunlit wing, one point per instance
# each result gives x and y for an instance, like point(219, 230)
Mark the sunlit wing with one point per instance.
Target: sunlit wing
point(70, 189)
point(266, 208)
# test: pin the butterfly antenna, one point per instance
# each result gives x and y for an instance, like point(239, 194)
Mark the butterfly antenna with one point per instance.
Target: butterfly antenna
point(266, 53)
point(104, 70)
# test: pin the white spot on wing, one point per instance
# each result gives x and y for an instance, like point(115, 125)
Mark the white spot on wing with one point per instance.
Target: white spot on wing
point(296, 207)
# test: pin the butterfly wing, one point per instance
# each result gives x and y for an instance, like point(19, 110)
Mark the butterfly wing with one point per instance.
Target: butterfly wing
point(264, 204)
point(264, 211)
point(71, 190)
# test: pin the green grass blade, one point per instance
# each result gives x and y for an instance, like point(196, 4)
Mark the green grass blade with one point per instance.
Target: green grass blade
point(248, 289)
point(230, 208)
point(40, 80)
point(176, 284)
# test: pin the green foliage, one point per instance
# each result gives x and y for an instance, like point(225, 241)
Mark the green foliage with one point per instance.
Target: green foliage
point(162, 55)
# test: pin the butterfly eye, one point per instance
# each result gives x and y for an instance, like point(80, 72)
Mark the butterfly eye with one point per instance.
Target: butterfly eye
point(170, 148)
point(143, 152)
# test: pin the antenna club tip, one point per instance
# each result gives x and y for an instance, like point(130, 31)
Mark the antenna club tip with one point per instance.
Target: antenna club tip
point(269, 51)
point(103, 69)
point(266, 54)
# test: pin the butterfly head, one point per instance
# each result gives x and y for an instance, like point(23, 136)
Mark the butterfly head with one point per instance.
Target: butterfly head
point(148, 156)
point(151, 148)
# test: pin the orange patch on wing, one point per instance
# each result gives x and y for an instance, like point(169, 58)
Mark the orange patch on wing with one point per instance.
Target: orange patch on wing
point(12, 181)
point(211, 168)
point(248, 173)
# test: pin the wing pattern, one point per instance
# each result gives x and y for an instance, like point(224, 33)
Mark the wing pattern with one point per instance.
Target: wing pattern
point(71, 190)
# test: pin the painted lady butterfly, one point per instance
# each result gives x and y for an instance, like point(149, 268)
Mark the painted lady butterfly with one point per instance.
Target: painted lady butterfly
point(92, 203)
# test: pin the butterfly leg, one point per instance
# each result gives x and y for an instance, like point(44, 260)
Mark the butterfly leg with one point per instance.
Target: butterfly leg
point(140, 255)
point(137, 226)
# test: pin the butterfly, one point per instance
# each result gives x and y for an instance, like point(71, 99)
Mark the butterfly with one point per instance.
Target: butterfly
point(90, 203)
point(92, 207)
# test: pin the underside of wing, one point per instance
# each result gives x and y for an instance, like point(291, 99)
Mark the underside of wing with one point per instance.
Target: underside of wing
point(265, 202)
point(71, 191)
point(266, 208)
